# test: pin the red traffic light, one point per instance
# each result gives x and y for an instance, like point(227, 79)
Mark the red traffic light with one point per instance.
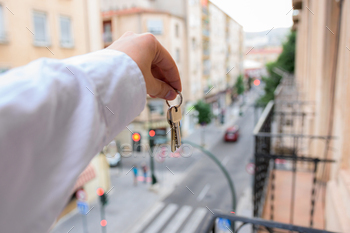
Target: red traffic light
point(152, 133)
point(136, 137)
point(103, 222)
point(256, 82)
point(100, 191)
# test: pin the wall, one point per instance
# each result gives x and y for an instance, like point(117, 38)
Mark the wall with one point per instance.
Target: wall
point(20, 39)
point(322, 73)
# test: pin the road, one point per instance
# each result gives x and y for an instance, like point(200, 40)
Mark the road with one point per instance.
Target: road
point(204, 188)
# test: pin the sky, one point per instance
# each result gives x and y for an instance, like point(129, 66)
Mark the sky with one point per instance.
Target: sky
point(258, 15)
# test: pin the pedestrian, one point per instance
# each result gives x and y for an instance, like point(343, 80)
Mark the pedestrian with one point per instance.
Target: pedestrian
point(135, 171)
point(56, 115)
point(144, 169)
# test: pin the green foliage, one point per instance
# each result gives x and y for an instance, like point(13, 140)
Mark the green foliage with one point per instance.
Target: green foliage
point(285, 61)
point(204, 112)
point(239, 85)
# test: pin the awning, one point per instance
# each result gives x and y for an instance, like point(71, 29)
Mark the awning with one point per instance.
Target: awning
point(87, 175)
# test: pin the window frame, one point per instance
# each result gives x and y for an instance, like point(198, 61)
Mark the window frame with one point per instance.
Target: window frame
point(3, 34)
point(47, 41)
point(159, 32)
point(70, 43)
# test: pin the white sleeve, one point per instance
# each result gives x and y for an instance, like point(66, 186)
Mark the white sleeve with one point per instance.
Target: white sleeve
point(55, 115)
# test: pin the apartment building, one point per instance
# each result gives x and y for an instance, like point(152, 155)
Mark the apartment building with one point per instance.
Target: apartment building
point(57, 29)
point(322, 74)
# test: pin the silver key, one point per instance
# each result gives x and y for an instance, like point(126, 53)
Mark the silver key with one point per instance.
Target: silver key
point(174, 117)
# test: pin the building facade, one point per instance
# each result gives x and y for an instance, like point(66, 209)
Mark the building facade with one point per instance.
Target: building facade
point(53, 29)
point(322, 74)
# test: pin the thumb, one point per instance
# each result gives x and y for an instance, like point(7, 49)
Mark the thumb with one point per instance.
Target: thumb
point(163, 90)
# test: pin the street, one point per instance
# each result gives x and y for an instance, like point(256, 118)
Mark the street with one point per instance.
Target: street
point(188, 190)
point(205, 188)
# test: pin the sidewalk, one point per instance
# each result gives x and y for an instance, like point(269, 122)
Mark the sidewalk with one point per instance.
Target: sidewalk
point(128, 203)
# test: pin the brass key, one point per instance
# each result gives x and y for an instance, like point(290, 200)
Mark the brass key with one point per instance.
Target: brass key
point(174, 117)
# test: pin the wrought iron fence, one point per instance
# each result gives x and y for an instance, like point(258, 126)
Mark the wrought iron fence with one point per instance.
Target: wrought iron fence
point(267, 133)
point(260, 224)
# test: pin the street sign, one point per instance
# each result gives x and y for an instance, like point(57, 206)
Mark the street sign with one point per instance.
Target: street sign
point(250, 168)
point(81, 195)
point(223, 224)
point(83, 207)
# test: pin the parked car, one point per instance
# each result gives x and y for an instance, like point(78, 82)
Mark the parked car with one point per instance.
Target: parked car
point(113, 161)
point(232, 134)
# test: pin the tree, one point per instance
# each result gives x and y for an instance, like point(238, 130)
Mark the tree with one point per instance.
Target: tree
point(239, 85)
point(285, 61)
point(204, 112)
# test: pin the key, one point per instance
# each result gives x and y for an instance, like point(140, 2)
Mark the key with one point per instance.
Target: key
point(174, 117)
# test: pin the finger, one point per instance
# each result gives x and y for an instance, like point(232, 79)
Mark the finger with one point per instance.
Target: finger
point(165, 63)
point(162, 90)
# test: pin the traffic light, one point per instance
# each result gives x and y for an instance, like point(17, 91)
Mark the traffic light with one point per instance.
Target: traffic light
point(152, 134)
point(136, 142)
point(103, 222)
point(256, 82)
point(103, 196)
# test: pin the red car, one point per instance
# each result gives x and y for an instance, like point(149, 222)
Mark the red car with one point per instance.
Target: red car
point(232, 134)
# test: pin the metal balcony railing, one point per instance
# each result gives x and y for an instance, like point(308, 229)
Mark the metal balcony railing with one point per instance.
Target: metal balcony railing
point(261, 225)
point(279, 135)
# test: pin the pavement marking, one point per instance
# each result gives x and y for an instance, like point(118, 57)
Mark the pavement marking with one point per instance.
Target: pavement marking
point(203, 192)
point(179, 218)
point(149, 216)
point(195, 220)
point(158, 223)
point(225, 160)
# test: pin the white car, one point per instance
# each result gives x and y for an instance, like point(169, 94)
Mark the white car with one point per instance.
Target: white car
point(113, 160)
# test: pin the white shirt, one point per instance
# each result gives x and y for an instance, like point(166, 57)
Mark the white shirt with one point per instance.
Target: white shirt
point(55, 115)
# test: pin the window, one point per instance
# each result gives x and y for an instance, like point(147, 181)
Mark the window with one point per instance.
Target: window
point(2, 25)
point(177, 30)
point(41, 34)
point(194, 44)
point(155, 26)
point(177, 55)
point(107, 31)
point(66, 32)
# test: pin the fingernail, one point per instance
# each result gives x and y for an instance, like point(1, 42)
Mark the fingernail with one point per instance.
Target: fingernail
point(170, 95)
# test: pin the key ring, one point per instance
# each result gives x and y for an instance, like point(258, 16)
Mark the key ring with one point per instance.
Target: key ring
point(178, 92)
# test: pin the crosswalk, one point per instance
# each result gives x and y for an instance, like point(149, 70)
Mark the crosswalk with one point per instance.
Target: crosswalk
point(171, 218)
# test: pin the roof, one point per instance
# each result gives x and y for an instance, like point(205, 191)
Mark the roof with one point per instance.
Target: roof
point(130, 11)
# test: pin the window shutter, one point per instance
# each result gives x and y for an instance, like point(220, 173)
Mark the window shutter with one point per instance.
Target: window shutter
point(66, 31)
point(40, 28)
point(2, 24)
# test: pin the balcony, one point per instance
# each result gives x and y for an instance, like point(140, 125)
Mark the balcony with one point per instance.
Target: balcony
point(287, 177)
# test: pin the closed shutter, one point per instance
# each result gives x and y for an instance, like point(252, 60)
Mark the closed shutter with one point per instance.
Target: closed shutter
point(40, 28)
point(2, 24)
point(66, 31)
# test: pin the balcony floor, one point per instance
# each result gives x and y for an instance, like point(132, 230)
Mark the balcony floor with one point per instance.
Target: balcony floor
point(302, 204)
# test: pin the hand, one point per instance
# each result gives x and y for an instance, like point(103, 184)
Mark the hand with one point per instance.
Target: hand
point(157, 66)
